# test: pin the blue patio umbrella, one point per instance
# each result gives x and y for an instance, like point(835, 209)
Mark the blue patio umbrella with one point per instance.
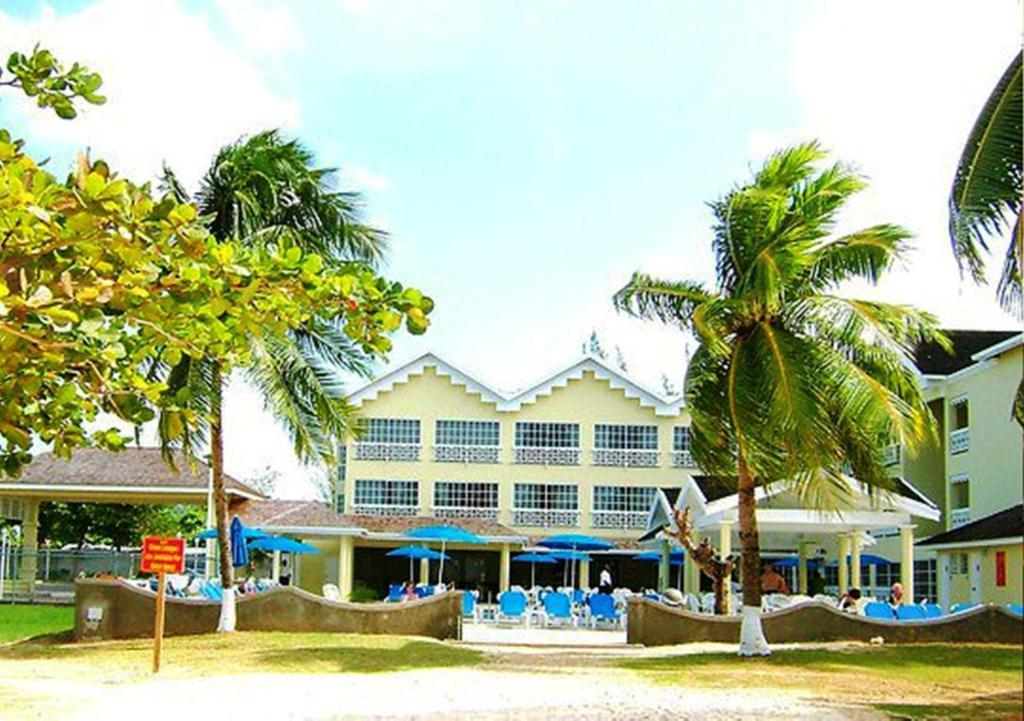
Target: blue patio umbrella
point(866, 559)
point(280, 543)
point(533, 559)
point(248, 533)
point(416, 553)
point(239, 549)
point(444, 534)
point(794, 562)
point(675, 558)
point(575, 542)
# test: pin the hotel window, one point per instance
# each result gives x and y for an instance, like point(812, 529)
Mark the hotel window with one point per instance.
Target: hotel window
point(961, 413)
point(378, 497)
point(959, 500)
point(925, 580)
point(681, 456)
point(466, 499)
point(625, 445)
point(547, 443)
point(389, 439)
point(621, 506)
point(339, 485)
point(959, 436)
point(545, 504)
point(467, 442)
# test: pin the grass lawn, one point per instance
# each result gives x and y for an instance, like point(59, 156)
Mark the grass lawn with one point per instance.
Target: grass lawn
point(22, 621)
point(920, 681)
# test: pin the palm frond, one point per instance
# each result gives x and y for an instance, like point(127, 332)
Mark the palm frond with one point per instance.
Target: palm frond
point(671, 302)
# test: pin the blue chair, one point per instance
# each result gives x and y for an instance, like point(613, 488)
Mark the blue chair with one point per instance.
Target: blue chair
point(880, 610)
point(558, 609)
point(652, 596)
point(512, 607)
point(931, 610)
point(961, 607)
point(1017, 609)
point(396, 592)
point(212, 591)
point(424, 591)
point(578, 597)
point(910, 612)
point(602, 608)
point(468, 605)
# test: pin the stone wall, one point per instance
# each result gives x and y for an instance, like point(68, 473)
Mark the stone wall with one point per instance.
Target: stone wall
point(654, 624)
point(112, 609)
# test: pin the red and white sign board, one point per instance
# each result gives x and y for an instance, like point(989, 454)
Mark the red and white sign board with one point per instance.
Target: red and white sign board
point(162, 555)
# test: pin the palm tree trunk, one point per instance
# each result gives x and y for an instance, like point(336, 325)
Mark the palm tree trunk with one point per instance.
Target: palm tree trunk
point(752, 640)
point(220, 501)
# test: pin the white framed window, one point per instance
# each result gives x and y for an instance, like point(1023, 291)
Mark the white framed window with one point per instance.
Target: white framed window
point(959, 422)
point(468, 433)
point(554, 444)
point(466, 494)
point(545, 505)
point(625, 437)
point(959, 500)
point(681, 440)
point(622, 507)
point(392, 430)
point(386, 497)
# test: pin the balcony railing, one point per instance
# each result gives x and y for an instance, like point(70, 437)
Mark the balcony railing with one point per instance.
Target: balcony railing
point(625, 457)
point(387, 451)
point(959, 440)
point(545, 518)
point(466, 454)
point(383, 509)
point(682, 459)
point(541, 456)
point(959, 517)
point(618, 519)
point(891, 455)
point(457, 512)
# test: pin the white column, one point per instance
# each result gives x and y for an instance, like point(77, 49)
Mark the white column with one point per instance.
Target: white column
point(424, 571)
point(907, 562)
point(346, 566)
point(976, 560)
point(855, 541)
point(505, 568)
point(844, 571)
point(724, 549)
point(584, 580)
point(275, 567)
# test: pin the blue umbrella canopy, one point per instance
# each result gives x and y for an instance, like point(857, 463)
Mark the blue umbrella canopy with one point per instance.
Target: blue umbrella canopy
point(239, 550)
point(576, 542)
point(794, 562)
point(248, 533)
point(416, 552)
point(535, 558)
point(675, 558)
point(444, 534)
point(570, 556)
point(280, 543)
point(866, 559)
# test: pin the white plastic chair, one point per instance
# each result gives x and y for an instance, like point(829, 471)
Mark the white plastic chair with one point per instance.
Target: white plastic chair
point(331, 592)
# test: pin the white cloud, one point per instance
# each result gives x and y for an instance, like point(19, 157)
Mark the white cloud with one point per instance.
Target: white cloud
point(267, 28)
point(356, 177)
point(175, 91)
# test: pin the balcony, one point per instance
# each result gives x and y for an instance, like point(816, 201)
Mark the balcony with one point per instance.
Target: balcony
point(682, 459)
point(387, 451)
point(625, 458)
point(619, 519)
point(458, 512)
point(545, 518)
point(891, 455)
point(959, 516)
point(960, 440)
point(541, 456)
point(466, 454)
point(384, 509)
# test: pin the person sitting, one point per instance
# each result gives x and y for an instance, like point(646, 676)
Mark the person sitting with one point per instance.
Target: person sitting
point(851, 601)
point(815, 583)
point(409, 592)
point(772, 582)
point(896, 594)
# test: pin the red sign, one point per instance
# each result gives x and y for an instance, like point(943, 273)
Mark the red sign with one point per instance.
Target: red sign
point(1000, 568)
point(162, 555)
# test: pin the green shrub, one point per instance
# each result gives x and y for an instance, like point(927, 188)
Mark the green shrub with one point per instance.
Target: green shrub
point(361, 593)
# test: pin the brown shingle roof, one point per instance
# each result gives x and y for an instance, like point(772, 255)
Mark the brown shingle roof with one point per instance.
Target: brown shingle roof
point(314, 514)
point(1007, 523)
point(132, 468)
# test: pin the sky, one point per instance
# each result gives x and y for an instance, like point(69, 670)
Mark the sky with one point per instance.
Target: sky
point(527, 157)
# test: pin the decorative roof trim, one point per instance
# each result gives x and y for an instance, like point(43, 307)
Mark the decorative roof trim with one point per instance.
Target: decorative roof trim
point(615, 378)
point(998, 348)
point(983, 543)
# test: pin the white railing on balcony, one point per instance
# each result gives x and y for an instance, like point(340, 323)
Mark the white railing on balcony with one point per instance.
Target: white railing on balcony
point(457, 512)
point(959, 440)
point(387, 451)
point(539, 456)
point(545, 518)
point(466, 454)
point(891, 455)
point(959, 516)
point(625, 458)
point(618, 519)
point(383, 509)
point(682, 459)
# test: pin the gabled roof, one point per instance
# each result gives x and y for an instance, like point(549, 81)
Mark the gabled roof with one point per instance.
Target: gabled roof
point(1005, 524)
point(513, 402)
point(932, 360)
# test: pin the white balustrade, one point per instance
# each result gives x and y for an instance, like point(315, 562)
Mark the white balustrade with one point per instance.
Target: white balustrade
point(625, 457)
point(466, 454)
point(545, 518)
point(618, 519)
point(457, 512)
point(382, 509)
point(959, 440)
point(682, 459)
point(959, 517)
point(541, 456)
point(387, 451)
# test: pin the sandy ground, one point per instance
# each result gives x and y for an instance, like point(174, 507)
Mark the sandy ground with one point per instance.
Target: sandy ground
point(433, 694)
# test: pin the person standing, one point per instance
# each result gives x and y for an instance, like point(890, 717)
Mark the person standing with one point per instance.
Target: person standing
point(605, 584)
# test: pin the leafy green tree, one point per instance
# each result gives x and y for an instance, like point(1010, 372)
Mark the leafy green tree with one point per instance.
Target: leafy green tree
point(116, 524)
point(985, 199)
point(259, 192)
point(40, 76)
point(792, 382)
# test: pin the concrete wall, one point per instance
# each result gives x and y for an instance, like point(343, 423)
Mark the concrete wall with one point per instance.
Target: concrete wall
point(655, 624)
point(128, 612)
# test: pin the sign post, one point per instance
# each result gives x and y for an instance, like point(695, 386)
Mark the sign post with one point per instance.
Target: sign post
point(161, 556)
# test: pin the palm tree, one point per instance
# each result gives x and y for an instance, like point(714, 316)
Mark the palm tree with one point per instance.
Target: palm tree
point(259, 190)
point(792, 382)
point(985, 198)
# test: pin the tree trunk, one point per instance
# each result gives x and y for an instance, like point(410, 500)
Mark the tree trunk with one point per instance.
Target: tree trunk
point(752, 640)
point(220, 502)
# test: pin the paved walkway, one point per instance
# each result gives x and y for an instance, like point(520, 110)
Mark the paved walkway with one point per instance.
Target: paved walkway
point(486, 634)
